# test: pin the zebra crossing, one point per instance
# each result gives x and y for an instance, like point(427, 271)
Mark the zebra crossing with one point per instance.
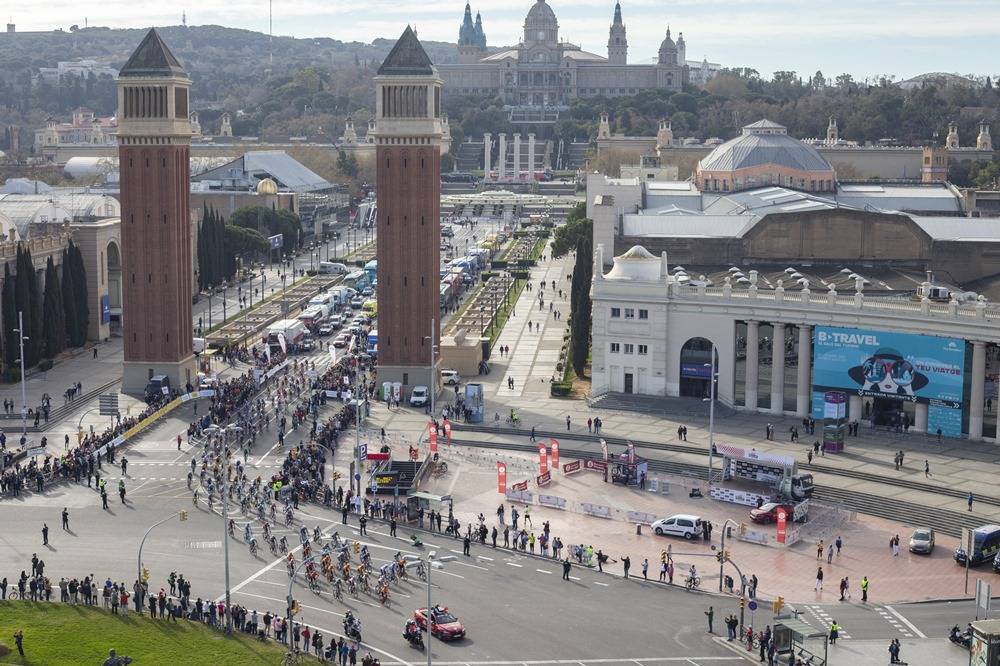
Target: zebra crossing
point(824, 618)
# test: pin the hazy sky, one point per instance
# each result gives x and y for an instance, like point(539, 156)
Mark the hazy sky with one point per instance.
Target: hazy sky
point(864, 37)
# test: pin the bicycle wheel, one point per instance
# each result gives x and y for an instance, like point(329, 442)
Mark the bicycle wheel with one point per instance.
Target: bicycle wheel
point(12, 595)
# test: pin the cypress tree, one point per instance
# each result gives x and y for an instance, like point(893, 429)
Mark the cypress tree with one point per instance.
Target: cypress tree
point(53, 323)
point(581, 303)
point(9, 319)
point(80, 294)
point(203, 261)
point(25, 288)
point(70, 306)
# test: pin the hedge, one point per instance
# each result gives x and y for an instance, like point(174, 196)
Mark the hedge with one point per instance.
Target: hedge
point(560, 389)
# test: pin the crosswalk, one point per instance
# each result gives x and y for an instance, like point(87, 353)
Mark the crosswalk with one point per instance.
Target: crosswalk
point(820, 615)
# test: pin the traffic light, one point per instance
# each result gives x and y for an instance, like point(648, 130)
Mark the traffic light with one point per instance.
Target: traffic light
point(777, 605)
point(145, 574)
point(719, 556)
point(357, 547)
point(184, 515)
point(726, 555)
point(743, 603)
point(295, 607)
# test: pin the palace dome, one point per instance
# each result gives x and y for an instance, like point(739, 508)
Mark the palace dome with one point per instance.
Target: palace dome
point(761, 143)
point(541, 16)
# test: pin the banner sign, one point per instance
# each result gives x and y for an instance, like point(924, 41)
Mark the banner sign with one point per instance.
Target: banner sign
point(572, 467)
point(544, 479)
point(519, 487)
point(447, 430)
point(899, 366)
point(782, 525)
point(543, 459)
point(554, 445)
point(432, 433)
point(596, 465)
point(501, 477)
point(378, 456)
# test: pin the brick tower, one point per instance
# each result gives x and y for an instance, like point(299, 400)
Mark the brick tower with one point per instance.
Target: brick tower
point(154, 138)
point(408, 134)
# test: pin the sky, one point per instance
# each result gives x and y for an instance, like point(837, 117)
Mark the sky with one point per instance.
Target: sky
point(861, 37)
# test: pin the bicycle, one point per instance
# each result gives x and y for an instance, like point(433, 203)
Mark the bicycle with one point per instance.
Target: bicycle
point(290, 658)
point(12, 595)
point(692, 582)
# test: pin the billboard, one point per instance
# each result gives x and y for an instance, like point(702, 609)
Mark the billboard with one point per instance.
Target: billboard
point(899, 366)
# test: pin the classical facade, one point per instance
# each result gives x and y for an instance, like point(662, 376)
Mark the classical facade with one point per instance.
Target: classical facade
point(543, 70)
point(408, 134)
point(154, 140)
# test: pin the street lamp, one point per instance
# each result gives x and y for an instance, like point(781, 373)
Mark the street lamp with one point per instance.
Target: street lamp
point(24, 392)
point(225, 287)
point(433, 375)
point(428, 615)
point(288, 599)
point(713, 375)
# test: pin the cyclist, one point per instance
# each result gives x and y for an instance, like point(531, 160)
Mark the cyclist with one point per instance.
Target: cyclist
point(247, 533)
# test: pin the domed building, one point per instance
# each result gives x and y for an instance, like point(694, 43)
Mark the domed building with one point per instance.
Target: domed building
point(764, 154)
point(544, 70)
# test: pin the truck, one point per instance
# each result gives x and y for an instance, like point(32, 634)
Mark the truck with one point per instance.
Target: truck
point(293, 330)
point(372, 348)
point(313, 315)
point(327, 299)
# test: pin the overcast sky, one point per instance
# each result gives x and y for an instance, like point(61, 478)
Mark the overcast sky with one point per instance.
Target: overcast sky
point(863, 37)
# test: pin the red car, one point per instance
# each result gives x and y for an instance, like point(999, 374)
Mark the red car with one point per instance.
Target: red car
point(445, 625)
point(768, 513)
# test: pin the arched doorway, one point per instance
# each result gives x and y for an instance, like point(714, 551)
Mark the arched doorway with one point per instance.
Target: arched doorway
point(696, 368)
point(114, 282)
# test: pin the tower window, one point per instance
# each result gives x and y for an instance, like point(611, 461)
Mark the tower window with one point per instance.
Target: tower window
point(404, 280)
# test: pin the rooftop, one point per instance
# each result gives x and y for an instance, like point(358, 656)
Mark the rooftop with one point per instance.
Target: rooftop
point(407, 58)
point(152, 58)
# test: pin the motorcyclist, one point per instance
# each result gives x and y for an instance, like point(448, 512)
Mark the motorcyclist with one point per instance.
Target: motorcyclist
point(411, 632)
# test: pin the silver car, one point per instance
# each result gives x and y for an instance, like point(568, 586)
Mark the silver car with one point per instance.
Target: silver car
point(922, 541)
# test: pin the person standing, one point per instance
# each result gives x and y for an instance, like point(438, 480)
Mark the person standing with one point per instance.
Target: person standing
point(466, 542)
point(969, 500)
point(65, 519)
point(626, 564)
point(927, 465)
point(864, 589)
point(45, 534)
point(834, 632)
point(839, 544)
point(710, 614)
point(645, 569)
point(566, 568)
point(819, 579)
point(19, 640)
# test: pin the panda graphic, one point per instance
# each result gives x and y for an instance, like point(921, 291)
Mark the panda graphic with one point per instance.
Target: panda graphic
point(888, 372)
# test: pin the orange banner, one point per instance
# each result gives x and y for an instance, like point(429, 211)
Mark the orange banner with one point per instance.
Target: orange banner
point(433, 436)
point(502, 478)
point(555, 453)
point(543, 459)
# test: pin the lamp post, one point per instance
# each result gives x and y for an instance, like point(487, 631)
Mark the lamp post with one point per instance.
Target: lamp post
point(138, 563)
point(433, 378)
point(24, 392)
point(713, 374)
point(235, 429)
point(211, 290)
point(428, 615)
point(225, 288)
point(288, 599)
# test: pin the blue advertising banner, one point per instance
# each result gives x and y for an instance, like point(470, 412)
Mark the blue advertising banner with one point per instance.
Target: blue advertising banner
point(105, 308)
point(900, 366)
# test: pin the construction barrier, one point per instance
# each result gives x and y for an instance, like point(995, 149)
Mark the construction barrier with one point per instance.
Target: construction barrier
point(552, 501)
point(597, 510)
point(641, 517)
point(737, 496)
point(523, 496)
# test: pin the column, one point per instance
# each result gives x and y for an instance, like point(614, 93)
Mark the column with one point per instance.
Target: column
point(976, 389)
point(752, 364)
point(517, 157)
point(487, 149)
point(920, 417)
point(502, 166)
point(804, 386)
point(778, 369)
point(531, 157)
point(856, 409)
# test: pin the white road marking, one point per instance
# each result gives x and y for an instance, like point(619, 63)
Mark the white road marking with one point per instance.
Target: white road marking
point(573, 578)
point(511, 564)
point(543, 571)
point(483, 557)
point(602, 585)
point(909, 624)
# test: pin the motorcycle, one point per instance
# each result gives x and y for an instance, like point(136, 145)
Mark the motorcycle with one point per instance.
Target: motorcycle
point(415, 639)
point(961, 639)
point(352, 629)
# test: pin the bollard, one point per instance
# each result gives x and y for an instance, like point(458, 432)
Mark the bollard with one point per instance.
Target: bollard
point(638, 529)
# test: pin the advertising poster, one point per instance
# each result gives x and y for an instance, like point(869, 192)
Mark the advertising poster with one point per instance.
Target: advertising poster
point(896, 366)
point(543, 459)
point(501, 477)
point(432, 434)
point(554, 445)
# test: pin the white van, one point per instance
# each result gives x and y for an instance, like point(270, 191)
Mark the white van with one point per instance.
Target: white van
point(332, 268)
point(685, 525)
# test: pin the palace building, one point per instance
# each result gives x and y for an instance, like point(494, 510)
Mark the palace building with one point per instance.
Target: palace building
point(543, 70)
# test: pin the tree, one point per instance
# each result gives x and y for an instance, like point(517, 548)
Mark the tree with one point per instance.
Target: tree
point(239, 242)
point(347, 164)
point(271, 222)
point(80, 295)
point(54, 321)
point(578, 226)
point(71, 309)
point(10, 342)
point(27, 305)
point(581, 304)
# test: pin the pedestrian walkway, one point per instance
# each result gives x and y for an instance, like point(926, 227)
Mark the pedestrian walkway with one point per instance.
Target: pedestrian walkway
point(534, 353)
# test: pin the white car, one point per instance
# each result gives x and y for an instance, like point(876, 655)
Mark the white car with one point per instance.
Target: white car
point(419, 396)
point(685, 525)
point(450, 377)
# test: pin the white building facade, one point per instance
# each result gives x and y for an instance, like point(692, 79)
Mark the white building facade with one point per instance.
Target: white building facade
point(912, 364)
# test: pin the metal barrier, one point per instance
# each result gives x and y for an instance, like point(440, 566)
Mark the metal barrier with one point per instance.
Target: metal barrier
point(523, 496)
point(552, 501)
point(598, 510)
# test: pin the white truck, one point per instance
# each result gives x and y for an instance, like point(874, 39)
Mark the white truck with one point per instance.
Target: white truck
point(293, 330)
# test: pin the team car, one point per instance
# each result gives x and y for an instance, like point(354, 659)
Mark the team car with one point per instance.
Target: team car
point(445, 625)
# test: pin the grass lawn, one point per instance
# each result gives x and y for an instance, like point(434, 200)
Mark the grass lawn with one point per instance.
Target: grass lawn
point(56, 633)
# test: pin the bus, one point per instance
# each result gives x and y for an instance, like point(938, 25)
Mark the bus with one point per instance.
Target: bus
point(370, 308)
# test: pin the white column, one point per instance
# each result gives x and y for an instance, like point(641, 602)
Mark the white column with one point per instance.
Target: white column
point(487, 157)
point(804, 386)
point(778, 369)
point(920, 417)
point(976, 390)
point(531, 157)
point(856, 408)
point(517, 157)
point(752, 364)
point(502, 166)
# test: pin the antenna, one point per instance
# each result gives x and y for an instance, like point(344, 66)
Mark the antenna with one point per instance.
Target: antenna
point(270, 32)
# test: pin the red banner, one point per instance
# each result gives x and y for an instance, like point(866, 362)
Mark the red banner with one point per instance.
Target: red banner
point(501, 477)
point(378, 456)
point(433, 435)
point(555, 453)
point(782, 523)
point(520, 486)
point(544, 479)
point(447, 430)
point(572, 467)
point(596, 465)
point(543, 459)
